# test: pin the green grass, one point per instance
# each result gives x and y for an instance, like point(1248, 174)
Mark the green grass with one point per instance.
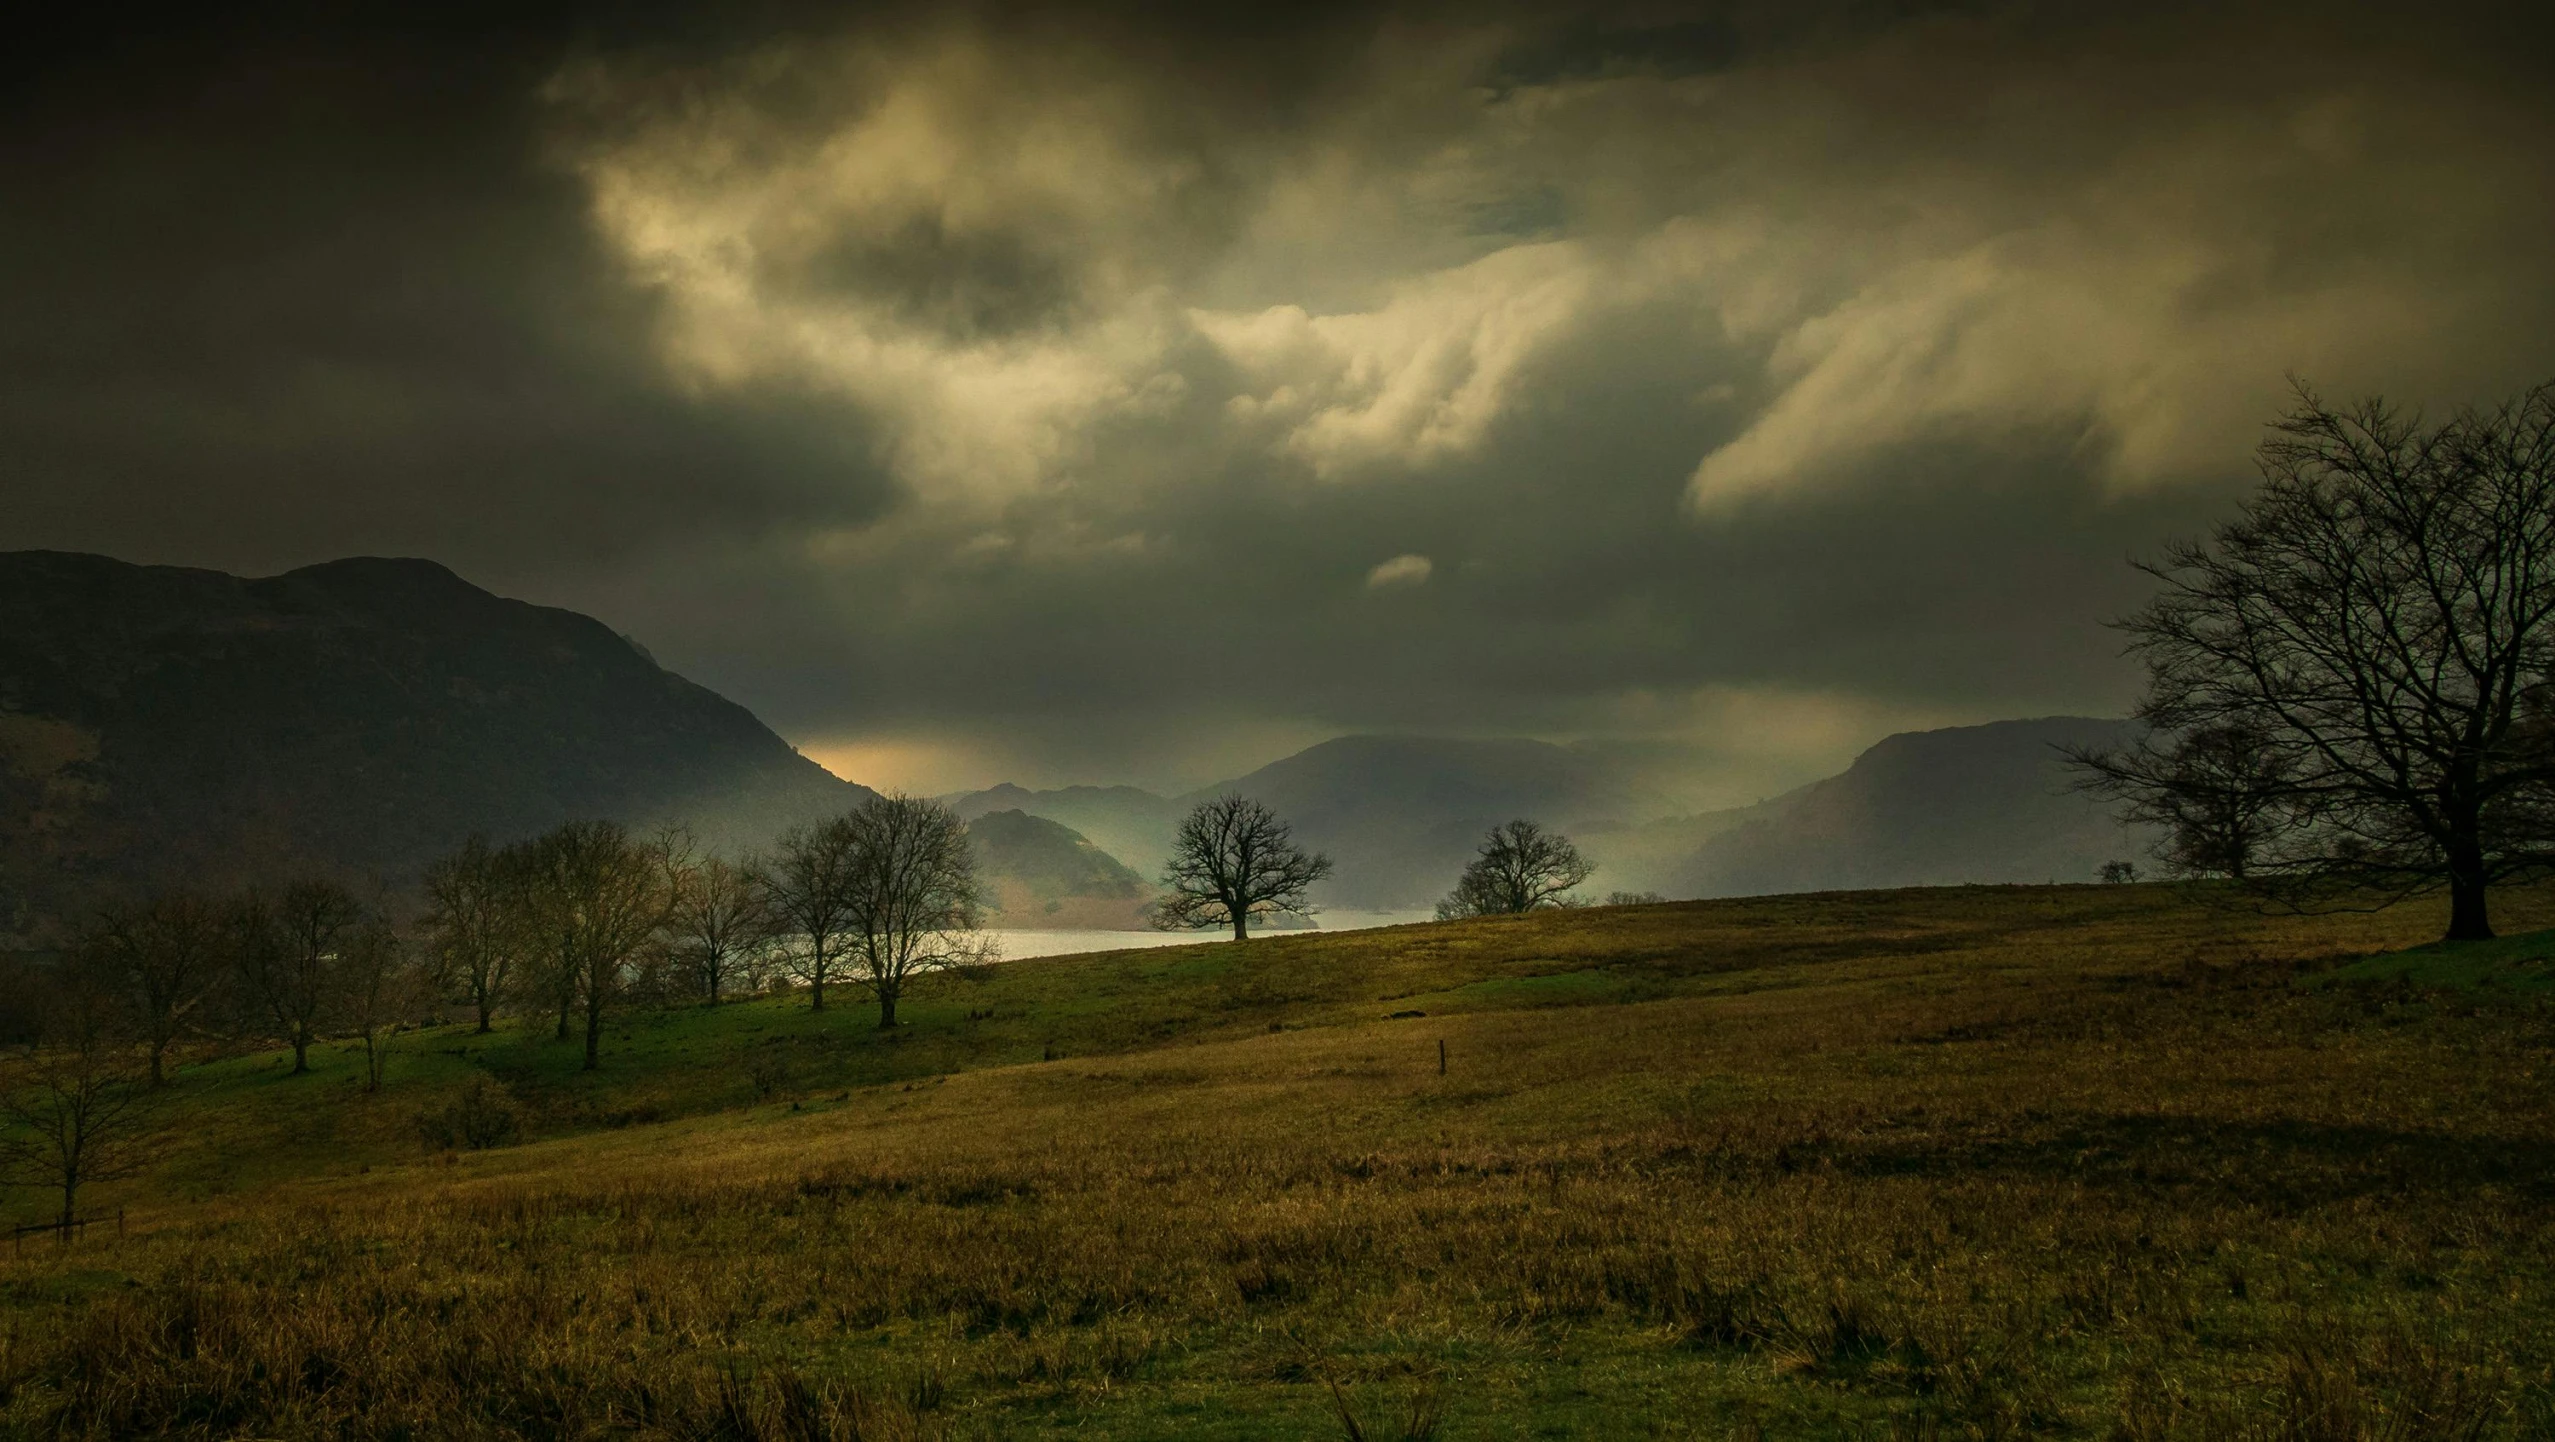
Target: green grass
point(1982, 1162)
point(2523, 963)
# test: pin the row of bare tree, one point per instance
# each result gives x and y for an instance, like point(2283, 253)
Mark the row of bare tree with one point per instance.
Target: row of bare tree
point(581, 920)
point(567, 926)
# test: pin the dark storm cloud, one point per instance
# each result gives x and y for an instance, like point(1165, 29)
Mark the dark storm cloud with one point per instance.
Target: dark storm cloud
point(273, 296)
point(1112, 393)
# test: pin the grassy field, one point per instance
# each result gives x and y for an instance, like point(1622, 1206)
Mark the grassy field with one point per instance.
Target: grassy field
point(1996, 1162)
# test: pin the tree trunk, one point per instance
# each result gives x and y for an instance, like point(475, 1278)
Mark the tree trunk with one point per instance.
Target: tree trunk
point(594, 1026)
point(157, 1080)
point(1241, 924)
point(887, 1008)
point(301, 1053)
point(2468, 918)
point(816, 987)
point(70, 1196)
point(485, 1011)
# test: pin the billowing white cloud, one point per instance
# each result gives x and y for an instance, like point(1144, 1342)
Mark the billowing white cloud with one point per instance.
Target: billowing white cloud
point(962, 242)
point(2153, 310)
point(1417, 379)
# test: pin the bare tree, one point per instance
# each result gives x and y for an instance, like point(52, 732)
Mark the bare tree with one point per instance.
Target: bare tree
point(538, 928)
point(167, 955)
point(808, 884)
point(720, 921)
point(1232, 860)
point(472, 929)
point(1520, 867)
point(2381, 615)
point(288, 954)
point(916, 907)
point(606, 895)
point(2219, 795)
point(75, 1101)
point(379, 985)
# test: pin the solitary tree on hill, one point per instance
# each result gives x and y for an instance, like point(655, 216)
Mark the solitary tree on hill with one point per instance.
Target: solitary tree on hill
point(1232, 860)
point(2377, 628)
point(1520, 867)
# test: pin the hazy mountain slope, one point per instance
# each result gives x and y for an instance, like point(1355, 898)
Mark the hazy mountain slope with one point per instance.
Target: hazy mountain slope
point(1131, 825)
point(1045, 874)
point(1659, 855)
point(1969, 804)
point(1400, 815)
point(361, 716)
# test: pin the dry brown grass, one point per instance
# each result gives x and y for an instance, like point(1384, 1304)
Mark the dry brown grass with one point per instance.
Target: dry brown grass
point(1983, 1164)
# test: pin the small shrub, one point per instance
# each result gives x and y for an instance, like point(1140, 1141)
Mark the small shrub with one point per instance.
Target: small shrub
point(770, 1075)
point(480, 1117)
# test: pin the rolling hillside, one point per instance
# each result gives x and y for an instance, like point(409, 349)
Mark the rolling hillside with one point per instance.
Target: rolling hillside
point(1942, 1163)
point(360, 716)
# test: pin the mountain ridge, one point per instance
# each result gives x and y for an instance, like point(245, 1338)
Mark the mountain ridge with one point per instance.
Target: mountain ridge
point(359, 716)
point(1400, 815)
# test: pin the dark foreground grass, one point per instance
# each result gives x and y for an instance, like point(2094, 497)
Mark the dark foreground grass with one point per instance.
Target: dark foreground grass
point(2522, 964)
point(1989, 1163)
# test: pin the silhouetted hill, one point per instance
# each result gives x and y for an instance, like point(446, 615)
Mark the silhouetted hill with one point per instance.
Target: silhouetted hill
point(360, 716)
point(1132, 825)
point(1986, 803)
point(1045, 874)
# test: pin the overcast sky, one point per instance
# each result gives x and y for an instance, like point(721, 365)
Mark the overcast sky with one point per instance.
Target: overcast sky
point(1068, 395)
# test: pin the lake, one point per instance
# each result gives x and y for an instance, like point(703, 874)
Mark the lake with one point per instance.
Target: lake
point(1019, 945)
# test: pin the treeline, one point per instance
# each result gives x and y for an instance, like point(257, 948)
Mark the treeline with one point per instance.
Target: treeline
point(564, 929)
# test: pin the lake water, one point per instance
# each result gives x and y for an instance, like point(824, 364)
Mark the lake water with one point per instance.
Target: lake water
point(1018, 945)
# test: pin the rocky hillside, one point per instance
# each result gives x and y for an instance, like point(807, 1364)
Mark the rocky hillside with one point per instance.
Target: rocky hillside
point(358, 717)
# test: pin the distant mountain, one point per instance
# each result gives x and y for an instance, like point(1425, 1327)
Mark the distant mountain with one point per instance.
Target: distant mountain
point(1659, 855)
point(1989, 803)
point(1132, 825)
point(1043, 874)
point(1400, 815)
point(360, 716)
